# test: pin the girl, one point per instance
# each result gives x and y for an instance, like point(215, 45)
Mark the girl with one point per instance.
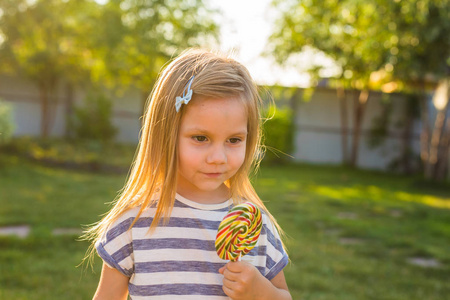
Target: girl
point(200, 140)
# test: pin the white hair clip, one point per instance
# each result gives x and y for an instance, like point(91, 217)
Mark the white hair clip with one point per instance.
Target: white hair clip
point(187, 95)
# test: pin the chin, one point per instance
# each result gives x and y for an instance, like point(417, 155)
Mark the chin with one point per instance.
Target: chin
point(209, 187)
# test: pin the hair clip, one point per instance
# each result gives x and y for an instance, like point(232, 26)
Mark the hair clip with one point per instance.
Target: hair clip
point(187, 95)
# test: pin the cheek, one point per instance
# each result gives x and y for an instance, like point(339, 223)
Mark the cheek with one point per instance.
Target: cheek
point(182, 154)
point(238, 158)
point(188, 155)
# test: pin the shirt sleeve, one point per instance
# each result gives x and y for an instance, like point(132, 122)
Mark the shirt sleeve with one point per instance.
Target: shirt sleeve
point(116, 247)
point(276, 256)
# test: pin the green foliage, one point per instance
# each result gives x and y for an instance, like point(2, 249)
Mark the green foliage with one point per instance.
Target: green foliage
point(278, 132)
point(93, 120)
point(138, 37)
point(278, 93)
point(80, 155)
point(119, 43)
point(406, 160)
point(419, 40)
point(345, 31)
point(380, 124)
point(404, 39)
point(6, 124)
point(47, 40)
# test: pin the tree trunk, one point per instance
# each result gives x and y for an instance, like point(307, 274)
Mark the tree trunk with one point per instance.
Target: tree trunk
point(425, 133)
point(406, 139)
point(69, 111)
point(442, 166)
point(342, 98)
point(443, 147)
point(360, 105)
point(43, 97)
point(435, 142)
point(46, 89)
point(430, 166)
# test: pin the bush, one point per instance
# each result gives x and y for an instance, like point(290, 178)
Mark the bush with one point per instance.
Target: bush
point(87, 155)
point(93, 120)
point(278, 135)
point(6, 123)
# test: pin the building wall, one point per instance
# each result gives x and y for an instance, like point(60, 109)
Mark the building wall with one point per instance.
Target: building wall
point(24, 97)
point(317, 138)
point(318, 130)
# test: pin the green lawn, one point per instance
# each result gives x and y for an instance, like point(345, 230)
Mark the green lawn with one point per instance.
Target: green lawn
point(350, 233)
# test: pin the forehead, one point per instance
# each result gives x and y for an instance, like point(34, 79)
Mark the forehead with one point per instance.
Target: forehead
point(220, 114)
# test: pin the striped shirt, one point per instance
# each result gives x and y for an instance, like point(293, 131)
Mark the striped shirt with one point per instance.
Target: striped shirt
point(179, 259)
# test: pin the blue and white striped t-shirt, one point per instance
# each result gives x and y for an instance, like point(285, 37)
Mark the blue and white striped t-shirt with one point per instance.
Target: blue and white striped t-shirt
point(179, 260)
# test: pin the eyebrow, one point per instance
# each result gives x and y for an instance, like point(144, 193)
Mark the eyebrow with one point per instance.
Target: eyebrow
point(203, 131)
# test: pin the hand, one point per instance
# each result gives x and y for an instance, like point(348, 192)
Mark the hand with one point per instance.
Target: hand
point(242, 280)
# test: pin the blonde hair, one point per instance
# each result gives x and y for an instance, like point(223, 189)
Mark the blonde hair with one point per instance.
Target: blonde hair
point(155, 167)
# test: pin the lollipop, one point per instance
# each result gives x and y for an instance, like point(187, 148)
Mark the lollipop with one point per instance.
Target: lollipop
point(239, 231)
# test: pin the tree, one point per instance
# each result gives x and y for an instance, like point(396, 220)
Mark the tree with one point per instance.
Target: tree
point(344, 31)
point(120, 43)
point(45, 41)
point(138, 37)
point(420, 59)
point(401, 42)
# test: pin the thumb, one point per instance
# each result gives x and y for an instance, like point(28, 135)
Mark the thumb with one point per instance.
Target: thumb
point(221, 270)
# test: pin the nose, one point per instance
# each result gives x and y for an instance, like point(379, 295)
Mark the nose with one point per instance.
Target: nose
point(217, 155)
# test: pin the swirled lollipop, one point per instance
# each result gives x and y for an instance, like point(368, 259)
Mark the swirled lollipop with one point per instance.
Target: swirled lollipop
point(239, 231)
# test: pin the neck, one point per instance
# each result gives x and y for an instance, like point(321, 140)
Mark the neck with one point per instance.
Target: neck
point(219, 195)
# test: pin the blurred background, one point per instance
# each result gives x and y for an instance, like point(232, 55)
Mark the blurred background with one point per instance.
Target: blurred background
point(357, 167)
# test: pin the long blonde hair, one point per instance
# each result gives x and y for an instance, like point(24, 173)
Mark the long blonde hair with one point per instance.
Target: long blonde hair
point(155, 167)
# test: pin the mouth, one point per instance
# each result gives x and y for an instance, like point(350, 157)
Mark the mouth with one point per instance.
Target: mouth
point(213, 175)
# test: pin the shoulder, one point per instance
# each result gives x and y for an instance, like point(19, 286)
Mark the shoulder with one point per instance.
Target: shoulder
point(126, 217)
point(271, 232)
point(277, 257)
point(115, 246)
point(123, 223)
point(268, 225)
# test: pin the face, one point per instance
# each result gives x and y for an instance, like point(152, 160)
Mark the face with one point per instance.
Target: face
point(211, 146)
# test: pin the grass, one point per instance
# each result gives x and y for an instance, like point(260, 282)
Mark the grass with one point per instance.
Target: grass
point(388, 219)
point(350, 233)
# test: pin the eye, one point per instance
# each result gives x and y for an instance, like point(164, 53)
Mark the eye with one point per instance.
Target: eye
point(200, 138)
point(235, 140)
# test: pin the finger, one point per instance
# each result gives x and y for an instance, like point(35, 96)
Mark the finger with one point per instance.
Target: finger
point(235, 266)
point(228, 283)
point(230, 275)
point(222, 269)
point(232, 289)
point(228, 291)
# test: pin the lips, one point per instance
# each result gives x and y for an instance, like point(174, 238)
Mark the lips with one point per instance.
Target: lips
point(213, 175)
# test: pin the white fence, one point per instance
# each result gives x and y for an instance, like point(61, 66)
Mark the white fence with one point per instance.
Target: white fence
point(318, 130)
point(24, 96)
point(317, 138)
